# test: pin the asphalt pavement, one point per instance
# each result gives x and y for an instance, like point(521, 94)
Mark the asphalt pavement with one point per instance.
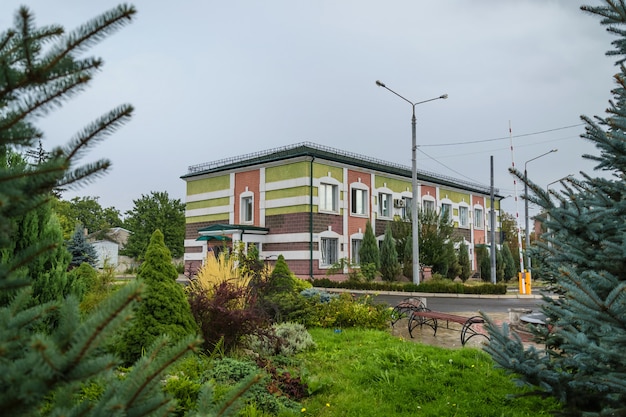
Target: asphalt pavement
point(450, 303)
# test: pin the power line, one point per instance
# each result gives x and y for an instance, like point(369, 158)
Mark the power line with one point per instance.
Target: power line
point(504, 137)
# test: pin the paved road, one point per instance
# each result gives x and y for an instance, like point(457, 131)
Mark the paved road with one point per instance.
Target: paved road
point(465, 303)
point(458, 304)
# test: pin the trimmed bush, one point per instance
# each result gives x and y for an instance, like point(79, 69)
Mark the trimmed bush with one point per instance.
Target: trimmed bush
point(435, 286)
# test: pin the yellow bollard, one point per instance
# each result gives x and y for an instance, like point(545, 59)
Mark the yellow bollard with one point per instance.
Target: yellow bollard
point(528, 284)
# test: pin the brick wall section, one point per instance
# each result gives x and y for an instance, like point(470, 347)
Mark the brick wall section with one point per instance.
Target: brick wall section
point(381, 226)
point(429, 190)
point(357, 223)
point(301, 268)
point(321, 221)
point(461, 233)
point(251, 180)
point(288, 223)
point(286, 247)
point(479, 234)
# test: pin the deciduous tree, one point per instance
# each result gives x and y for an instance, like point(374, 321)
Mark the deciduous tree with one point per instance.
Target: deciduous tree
point(152, 212)
point(87, 211)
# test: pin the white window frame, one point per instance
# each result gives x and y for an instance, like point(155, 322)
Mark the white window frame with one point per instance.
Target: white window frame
point(464, 216)
point(325, 241)
point(385, 204)
point(428, 204)
point(406, 210)
point(354, 201)
point(247, 196)
point(446, 208)
point(355, 248)
point(325, 192)
point(479, 218)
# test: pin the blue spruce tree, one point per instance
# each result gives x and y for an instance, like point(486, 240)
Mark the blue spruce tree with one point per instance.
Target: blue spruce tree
point(584, 258)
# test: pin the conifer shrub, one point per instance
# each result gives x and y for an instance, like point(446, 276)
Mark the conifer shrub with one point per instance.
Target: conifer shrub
point(279, 293)
point(81, 250)
point(83, 280)
point(464, 262)
point(164, 308)
point(369, 253)
point(389, 265)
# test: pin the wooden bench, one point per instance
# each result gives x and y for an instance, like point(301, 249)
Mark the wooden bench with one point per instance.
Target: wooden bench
point(424, 316)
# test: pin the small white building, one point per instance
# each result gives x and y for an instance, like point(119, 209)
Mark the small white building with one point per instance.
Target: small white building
point(108, 253)
point(108, 246)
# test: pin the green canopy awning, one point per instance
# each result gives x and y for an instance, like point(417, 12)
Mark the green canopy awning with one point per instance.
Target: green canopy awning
point(216, 237)
point(221, 229)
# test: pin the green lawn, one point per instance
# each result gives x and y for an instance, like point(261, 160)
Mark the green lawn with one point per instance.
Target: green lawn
point(362, 373)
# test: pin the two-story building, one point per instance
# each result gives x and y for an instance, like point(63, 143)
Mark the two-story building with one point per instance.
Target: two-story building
point(311, 203)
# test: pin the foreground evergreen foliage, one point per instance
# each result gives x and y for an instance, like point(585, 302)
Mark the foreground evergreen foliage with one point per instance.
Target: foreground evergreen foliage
point(50, 355)
point(584, 258)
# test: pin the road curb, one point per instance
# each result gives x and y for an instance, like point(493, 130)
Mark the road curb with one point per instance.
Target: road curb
point(435, 295)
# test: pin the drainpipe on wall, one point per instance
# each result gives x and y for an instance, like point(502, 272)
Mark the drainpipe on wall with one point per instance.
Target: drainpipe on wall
point(311, 218)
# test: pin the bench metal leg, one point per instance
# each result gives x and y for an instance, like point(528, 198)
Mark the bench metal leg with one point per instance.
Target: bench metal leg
point(467, 329)
point(417, 320)
point(404, 309)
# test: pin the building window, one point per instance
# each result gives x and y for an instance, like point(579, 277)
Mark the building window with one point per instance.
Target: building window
point(478, 218)
point(330, 251)
point(328, 197)
point(463, 216)
point(247, 209)
point(429, 205)
point(355, 249)
point(406, 210)
point(384, 204)
point(359, 201)
point(446, 211)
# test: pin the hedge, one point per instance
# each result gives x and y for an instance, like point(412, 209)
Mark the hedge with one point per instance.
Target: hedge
point(436, 286)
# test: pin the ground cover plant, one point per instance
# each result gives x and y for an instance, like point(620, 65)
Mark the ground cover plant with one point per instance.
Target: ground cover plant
point(361, 373)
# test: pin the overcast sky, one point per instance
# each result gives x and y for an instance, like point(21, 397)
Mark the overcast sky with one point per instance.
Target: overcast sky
point(212, 80)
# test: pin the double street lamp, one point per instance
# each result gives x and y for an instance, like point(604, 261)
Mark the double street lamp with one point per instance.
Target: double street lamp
point(415, 197)
point(528, 265)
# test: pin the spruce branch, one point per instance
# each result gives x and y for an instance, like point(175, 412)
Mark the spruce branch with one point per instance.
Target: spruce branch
point(98, 130)
point(93, 32)
point(93, 330)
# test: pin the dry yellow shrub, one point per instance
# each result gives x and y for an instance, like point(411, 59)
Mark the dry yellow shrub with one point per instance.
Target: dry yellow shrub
point(217, 270)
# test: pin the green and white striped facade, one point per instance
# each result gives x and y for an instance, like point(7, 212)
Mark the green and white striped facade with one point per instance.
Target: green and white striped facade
point(310, 203)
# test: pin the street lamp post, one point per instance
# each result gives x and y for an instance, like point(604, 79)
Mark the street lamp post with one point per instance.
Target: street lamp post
point(528, 264)
point(415, 197)
point(559, 180)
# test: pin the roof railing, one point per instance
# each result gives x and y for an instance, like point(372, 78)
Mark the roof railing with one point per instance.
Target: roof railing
point(207, 166)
